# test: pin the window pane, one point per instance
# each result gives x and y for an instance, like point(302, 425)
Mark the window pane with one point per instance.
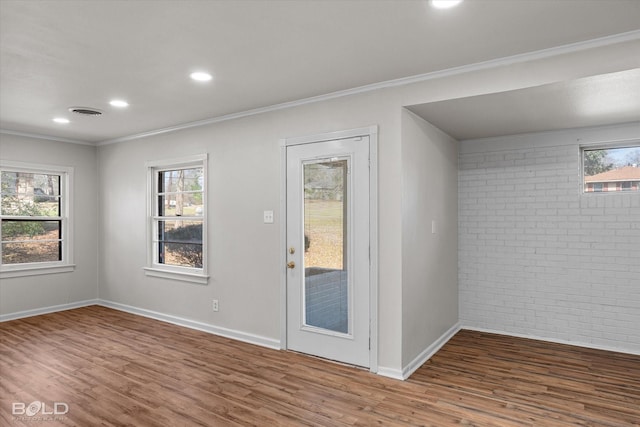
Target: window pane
point(326, 275)
point(34, 251)
point(181, 254)
point(180, 192)
point(180, 204)
point(180, 231)
point(324, 221)
point(13, 230)
point(612, 169)
point(180, 243)
point(30, 194)
point(179, 180)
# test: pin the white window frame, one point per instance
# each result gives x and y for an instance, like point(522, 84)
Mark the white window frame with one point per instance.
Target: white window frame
point(153, 268)
point(65, 216)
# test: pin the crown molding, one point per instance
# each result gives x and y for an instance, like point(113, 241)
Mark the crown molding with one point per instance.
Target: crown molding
point(479, 66)
point(449, 72)
point(47, 137)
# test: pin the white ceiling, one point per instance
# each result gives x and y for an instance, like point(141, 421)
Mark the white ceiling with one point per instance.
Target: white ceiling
point(590, 101)
point(56, 54)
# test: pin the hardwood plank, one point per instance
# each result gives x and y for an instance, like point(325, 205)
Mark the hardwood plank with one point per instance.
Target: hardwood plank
point(114, 368)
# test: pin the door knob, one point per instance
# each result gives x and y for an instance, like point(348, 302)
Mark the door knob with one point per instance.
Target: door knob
point(291, 264)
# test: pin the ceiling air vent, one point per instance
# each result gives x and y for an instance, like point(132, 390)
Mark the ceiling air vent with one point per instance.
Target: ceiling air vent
point(85, 111)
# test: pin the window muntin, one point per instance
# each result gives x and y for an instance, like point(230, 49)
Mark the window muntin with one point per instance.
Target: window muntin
point(611, 169)
point(34, 218)
point(177, 206)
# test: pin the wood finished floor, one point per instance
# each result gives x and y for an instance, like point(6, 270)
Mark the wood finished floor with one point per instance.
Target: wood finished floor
point(117, 369)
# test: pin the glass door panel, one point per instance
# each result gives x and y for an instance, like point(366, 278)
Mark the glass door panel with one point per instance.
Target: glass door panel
point(326, 276)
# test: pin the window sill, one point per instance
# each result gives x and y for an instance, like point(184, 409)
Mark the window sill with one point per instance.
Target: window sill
point(200, 279)
point(36, 270)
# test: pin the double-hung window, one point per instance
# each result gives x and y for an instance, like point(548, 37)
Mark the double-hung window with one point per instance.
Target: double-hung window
point(35, 219)
point(177, 219)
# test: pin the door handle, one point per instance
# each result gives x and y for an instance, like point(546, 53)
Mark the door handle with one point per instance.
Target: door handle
point(291, 264)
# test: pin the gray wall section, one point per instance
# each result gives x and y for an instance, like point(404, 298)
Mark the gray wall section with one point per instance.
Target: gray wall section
point(243, 181)
point(36, 292)
point(429, 260)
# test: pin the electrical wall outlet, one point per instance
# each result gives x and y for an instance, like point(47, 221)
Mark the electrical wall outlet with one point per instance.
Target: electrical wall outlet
point(215, 305)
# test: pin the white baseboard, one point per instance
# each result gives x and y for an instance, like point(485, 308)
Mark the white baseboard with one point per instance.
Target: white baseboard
point(425, 355)
point(396, 374)
point(192, 324)
point(428, 352)
point(554, 340)
point(46, 310)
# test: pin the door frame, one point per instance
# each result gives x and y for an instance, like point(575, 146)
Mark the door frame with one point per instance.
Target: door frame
point(372, 133)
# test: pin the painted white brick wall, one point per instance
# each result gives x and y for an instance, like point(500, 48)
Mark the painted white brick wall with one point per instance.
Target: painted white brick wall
point(536, 256)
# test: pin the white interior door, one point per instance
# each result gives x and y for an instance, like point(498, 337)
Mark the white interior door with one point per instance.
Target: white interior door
point(328, 283)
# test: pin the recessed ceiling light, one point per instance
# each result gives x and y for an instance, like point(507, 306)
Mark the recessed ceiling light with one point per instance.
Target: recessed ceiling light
point(445, 4)
point(118, 103)
point(61, 120)
point(201, 76)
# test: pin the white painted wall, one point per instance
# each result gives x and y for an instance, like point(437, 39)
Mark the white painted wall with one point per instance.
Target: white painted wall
point(539, 258)
point(35, 292)
point(244, 180)
point(429, 261)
